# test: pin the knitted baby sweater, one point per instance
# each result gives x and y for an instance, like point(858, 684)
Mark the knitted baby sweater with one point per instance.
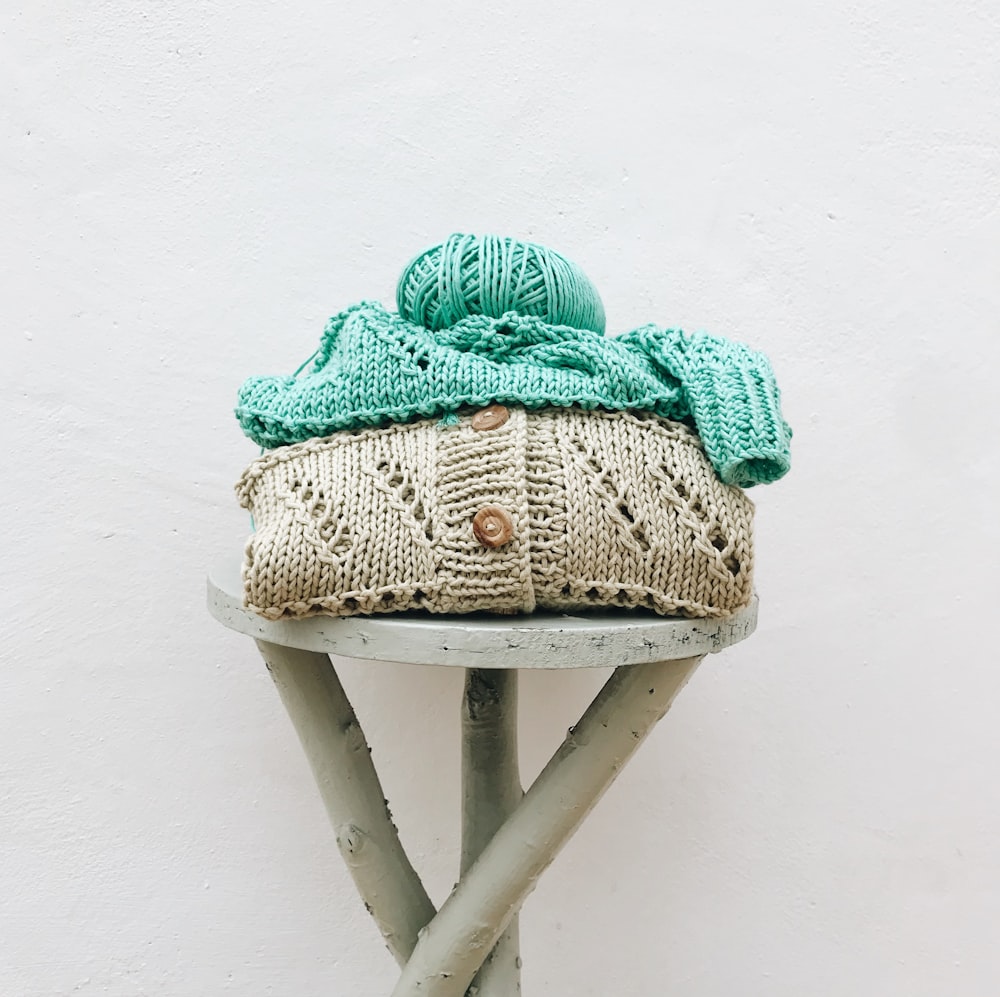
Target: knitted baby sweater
point(503, 510)
point(374, 367)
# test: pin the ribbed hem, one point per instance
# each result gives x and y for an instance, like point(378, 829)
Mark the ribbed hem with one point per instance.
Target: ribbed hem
point(734, 399)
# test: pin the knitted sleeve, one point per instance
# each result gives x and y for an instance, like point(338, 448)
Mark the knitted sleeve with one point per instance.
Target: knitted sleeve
point(731, 393)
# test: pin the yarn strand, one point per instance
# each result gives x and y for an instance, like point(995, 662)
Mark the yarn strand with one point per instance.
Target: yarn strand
point(468, 275)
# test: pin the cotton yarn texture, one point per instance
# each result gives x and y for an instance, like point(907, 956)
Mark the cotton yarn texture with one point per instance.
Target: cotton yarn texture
point(373, 367)
point(492, 276)
point(488, 448)
point(605, 509)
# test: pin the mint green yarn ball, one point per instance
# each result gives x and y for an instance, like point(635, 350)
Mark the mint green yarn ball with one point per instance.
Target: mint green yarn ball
point(490, 275)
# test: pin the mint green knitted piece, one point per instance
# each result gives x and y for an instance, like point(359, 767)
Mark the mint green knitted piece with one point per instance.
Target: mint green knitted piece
point(374, 367)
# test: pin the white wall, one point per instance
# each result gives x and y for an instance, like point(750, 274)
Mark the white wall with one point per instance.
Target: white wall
point(189, 190)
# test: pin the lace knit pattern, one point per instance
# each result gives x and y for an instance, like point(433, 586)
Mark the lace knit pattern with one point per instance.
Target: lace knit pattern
point(607, 509)
point(373, 367)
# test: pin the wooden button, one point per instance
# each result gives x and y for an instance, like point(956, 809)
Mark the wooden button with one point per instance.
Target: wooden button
point(492, 526)
point(490, 417)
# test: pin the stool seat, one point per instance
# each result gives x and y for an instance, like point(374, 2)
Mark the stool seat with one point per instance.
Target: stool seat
point(538, 640)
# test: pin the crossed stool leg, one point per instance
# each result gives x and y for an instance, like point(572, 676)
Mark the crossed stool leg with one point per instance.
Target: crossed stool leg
point(470, 946)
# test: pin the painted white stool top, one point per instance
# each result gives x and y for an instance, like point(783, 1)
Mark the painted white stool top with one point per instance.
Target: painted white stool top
point(536, 640)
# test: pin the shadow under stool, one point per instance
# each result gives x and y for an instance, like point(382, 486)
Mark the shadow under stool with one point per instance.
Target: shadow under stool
point(470, 946)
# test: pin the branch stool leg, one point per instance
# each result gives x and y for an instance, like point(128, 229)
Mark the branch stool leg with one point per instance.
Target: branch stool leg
point(456, 941)
point(341, 763)
point(491, 789)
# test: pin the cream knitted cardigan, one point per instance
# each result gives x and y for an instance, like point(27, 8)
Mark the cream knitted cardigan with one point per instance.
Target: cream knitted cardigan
point(604, 508)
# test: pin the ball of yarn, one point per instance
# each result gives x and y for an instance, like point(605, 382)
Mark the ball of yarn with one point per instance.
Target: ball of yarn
point(489, 275)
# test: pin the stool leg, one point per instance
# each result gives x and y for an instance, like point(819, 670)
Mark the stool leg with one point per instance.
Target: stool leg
point(491, 789)
point(453, 946)
point(341, 762)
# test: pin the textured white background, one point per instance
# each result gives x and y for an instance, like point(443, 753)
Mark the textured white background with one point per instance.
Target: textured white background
point(189, 190)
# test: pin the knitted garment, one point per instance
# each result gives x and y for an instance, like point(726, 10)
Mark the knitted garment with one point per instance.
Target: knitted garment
point(586, 508)
point(373, 367)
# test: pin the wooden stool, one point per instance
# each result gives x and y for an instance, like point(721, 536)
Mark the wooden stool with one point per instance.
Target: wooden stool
point(508, 836)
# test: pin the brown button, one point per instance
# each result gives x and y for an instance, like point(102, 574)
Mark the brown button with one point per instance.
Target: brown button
point(490, 417)
point(492, 526)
